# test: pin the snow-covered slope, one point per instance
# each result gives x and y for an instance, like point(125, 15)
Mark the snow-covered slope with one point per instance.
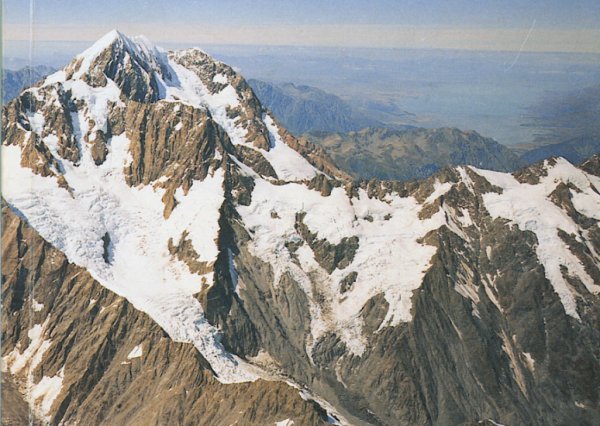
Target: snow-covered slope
point(135, 263)
point(161, 174)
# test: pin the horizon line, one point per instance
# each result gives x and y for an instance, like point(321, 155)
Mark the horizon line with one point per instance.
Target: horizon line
point(356, 37)
point(307, 46)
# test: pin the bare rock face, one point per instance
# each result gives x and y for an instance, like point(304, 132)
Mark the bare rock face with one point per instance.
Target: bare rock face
point(313, 153)
point(185, 252)
point(171, 140)
point(58, 117)
point(592, 165)
point(98, 148)
point(328, 255)
point(90, 338)
point(127, 67)
point(470, 297)
point(255, 160)
point(485, 296)
point(248, 112)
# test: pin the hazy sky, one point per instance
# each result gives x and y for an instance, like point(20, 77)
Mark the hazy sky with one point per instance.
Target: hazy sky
point(540, 25)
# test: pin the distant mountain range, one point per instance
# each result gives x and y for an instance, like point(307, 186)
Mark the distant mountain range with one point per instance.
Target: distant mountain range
point(172, 255)
point(575, 150)
point(570, 126)
point(412, 153)
point(365, 143)
point(15, 81)
point(304, 109)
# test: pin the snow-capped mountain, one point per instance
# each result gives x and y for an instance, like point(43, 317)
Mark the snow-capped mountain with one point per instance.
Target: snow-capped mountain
point(165, 239)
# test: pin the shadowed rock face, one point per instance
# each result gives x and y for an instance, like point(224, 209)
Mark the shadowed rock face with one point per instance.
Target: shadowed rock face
point(489, 339)
point(485, 334)
point(91, 334)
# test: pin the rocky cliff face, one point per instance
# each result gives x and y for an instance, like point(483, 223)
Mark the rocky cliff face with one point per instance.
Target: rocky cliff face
point(172, 254)
point(77, 353)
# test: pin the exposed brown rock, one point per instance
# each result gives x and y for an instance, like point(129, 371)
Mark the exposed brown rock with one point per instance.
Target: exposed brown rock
point(37, 157)
point(134, 76)
point(533, 173)
point(323, 184)
point(592, 165)
point(348, 281)
point(162, 149)
point(562, 197)
point(57, 116)
point(14, 408)
point(184, 251)
point(373, 313)
point(92, 331)
point(316, 155)
point(169, 201)
point(255, 160)
point(99, 150)
point(15, 124)
point(329, 256)
point(584, 254)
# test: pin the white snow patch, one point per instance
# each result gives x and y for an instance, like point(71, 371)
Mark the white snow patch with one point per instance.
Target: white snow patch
point(32, 355)
point(287, 163)
point(587, 202)
point(96, 100)
point(43, 393)
point(37, 122)
point(141, 269)
point(220, 78)
point(530, 208)
point(439, 189)
point(136, 352)
point(286, 422)
point(465, 219)
point(333, 417)
point(389, 259)
point(530, 361)
point(37, 307)
point(187, 87)
point(490, 294)
point(93, 51)
point(465, 178)
point(232, 271)
point(57, 77)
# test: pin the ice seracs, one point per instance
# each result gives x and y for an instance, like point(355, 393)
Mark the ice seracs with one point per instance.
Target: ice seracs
point(120, 234)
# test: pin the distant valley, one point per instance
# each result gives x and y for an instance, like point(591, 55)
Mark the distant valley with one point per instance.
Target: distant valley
point(363, 143)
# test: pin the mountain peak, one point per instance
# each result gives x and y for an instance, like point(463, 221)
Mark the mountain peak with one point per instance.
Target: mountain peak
point(162, 176)
point(118, 80)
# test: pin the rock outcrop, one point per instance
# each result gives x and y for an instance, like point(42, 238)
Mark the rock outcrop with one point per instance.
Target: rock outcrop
point(171, 255)
point(81, 354)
